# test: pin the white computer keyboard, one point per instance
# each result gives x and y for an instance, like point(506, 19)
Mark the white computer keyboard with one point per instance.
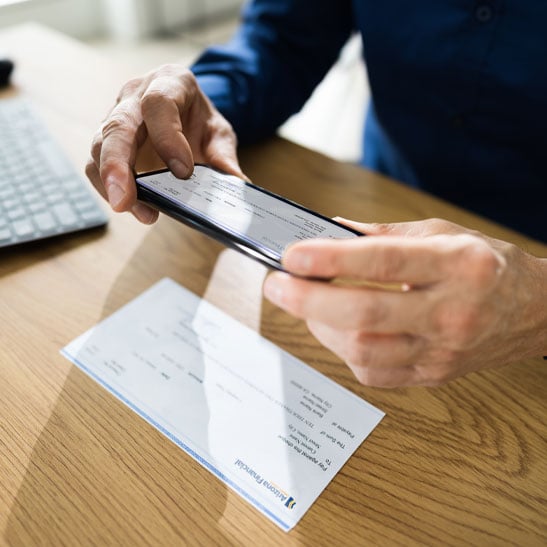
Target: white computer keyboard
point(41, 194)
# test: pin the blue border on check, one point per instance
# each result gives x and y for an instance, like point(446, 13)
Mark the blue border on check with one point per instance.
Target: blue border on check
point(178, 442)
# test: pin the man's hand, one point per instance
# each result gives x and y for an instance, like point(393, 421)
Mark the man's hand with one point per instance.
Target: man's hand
point(184, 127)
point(465, 301)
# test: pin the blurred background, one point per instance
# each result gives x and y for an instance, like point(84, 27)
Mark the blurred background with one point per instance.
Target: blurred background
point(142, 34)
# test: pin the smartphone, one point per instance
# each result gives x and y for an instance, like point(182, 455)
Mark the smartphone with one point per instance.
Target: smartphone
point(239, 214)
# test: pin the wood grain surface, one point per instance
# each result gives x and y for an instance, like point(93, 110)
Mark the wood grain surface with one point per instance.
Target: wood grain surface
point(465, 464)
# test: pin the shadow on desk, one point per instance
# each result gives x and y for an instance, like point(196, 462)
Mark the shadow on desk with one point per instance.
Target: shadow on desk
point(448, 464)
point(98, 472)
point(25, 255)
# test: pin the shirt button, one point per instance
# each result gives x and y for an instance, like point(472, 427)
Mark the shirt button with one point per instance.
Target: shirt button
point(484, 13)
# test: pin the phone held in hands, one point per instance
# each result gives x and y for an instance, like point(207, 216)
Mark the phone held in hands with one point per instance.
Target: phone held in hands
point(239, 214)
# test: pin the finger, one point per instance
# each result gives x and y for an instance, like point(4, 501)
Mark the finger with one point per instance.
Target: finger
point(418, 261)
point(163, 104)
point(369, 350)
point(221, 150)
point(374, 311)
point(144, 213)
point(92, 172)
point(419, 228)
point(134, 87)
point(391, 378)
point(385, 378)
point(96, 146)
point(122, 134)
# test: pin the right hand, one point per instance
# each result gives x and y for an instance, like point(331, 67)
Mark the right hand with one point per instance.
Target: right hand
point(183, 126)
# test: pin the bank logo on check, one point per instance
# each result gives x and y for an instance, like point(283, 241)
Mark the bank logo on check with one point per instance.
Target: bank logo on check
point(290, 503)
point(279, 493)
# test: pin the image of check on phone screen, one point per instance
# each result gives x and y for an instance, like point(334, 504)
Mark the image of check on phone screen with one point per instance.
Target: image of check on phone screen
point(237, 213)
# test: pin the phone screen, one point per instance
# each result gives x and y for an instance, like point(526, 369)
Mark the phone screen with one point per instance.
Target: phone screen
point(236, 212)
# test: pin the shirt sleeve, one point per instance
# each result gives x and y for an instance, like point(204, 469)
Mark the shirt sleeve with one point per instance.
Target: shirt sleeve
point(282, 50)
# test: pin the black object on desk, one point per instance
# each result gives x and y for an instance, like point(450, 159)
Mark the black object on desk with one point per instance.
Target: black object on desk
point(6, 68)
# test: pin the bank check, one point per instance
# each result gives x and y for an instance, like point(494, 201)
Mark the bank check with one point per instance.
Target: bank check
point(272, 428)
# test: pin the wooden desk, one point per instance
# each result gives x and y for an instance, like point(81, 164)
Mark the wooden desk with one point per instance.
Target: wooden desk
point(463, 464)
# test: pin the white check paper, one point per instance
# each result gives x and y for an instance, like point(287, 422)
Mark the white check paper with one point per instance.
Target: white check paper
point(272, 428)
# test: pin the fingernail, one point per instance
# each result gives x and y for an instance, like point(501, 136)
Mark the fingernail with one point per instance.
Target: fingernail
point(116, 194)
point(179, 169)
point(297, 261)
point(273, 290)
point(143, 213)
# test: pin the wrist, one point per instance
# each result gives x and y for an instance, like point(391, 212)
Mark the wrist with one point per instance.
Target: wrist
point(536, 310)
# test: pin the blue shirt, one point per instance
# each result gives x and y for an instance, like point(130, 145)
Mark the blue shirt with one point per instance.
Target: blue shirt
point(459, 91)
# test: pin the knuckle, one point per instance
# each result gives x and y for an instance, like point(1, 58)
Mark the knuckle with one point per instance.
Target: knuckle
point(383, 227)
point(107, 167)
point(129, 88)
point(173, 85)
point(369, 315)
point(172, 69)
point(153, 99)
point(164, 70)
point(119, 120)
point(437, 225)
point(457, 322)
point(480, 263)
point(442, 227)
point(188, 79)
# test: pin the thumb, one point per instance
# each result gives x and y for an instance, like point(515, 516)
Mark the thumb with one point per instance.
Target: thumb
point(376, 229)
point(418, 228)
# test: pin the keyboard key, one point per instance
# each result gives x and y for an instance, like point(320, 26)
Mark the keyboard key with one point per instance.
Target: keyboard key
point(49, 187)
point(26, 187)
point(32, 197)
point(56, 163)
point(23, 228)
point(45, 221)
point(37, 206)
point(55, 197)
point(65, 214)
point(5, 235)
point(94, 215)
point(6, 189)
point(11, 203)
point(14, 214)
point(84, 205)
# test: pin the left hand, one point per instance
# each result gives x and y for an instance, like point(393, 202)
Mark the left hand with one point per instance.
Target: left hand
point(473, 302)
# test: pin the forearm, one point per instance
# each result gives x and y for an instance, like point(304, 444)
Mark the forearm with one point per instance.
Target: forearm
point(279, 55)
